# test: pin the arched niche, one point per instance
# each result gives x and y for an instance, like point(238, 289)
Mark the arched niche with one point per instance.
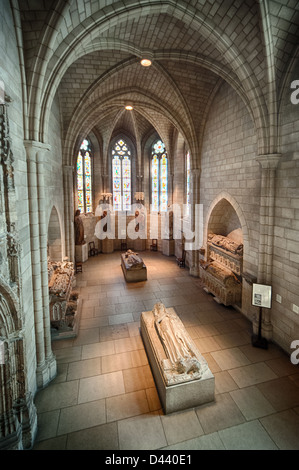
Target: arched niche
point(225, 221)
point(225, 237)
point(54, 237)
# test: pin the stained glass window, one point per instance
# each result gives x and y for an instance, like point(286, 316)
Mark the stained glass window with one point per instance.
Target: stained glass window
point(159, 177)
point(121, 176)
point(84, 178)
point(188, 176)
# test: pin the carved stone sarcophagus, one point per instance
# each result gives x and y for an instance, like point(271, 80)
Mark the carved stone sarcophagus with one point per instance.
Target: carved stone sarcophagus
point(222, 272)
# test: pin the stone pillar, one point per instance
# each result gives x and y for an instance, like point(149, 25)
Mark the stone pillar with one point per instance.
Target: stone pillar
point(268, 164)
point(195, 184)
point(69, 212)
point(43, 237)
point(46, 365)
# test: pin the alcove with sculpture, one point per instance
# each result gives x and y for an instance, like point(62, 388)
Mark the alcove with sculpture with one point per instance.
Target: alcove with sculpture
point(222, 267)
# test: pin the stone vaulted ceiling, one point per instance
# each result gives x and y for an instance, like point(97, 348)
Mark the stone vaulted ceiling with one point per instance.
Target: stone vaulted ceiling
point(87, 53)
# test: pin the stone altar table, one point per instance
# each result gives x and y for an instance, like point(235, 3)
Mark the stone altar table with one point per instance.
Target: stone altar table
point(181, 373)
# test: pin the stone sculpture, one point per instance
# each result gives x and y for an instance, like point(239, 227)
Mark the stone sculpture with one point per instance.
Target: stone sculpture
point(182, 357)
point(79, 229)
point(133, 260)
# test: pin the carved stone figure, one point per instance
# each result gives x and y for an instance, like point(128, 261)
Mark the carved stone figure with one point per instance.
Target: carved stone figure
point(79, 229)
point(133, 260)
point(175, 341)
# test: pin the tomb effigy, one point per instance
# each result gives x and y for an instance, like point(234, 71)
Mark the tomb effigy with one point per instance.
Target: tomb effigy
point(64, 301)
point(222, 272)
point(133, 267)
point(181, 373)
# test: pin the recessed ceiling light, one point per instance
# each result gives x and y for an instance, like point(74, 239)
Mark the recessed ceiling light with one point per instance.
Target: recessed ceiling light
point(146, 62)
point(129, 107)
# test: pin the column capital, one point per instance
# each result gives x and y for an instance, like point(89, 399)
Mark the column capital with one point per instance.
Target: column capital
point(269, 161)
point(34, 148)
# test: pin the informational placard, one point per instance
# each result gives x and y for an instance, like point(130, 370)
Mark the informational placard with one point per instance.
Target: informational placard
point(2, 352)
point(261, 295)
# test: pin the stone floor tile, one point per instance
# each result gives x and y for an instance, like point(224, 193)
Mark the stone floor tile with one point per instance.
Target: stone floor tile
point(57, 443)
point(128, 344)
point(104, 348)
point(259, 354)
point(86, 368)
point(57, 396)
point(127, 405)
point(86, 336)
point(252, 403)
point(224, 382)
point(220, 414)
point(207, 344)
point(112, 332)
point(283, 428)
point(247, 436)
point(282, 366)
point(233, 339)
point(104, 437)
point(86, 415)
point(181, 426)
point(207, 442)
point(47, 424)
point(94, 322)
point(138, 378)
point(69, 354)
point(101, 386)
point(153, 399)
point(116, 362)
point(252, 374)
point(144, 432)
point(282, 393)
point(121, 319)
point(230, 358)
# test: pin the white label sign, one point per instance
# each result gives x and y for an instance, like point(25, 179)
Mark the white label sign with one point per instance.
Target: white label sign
point(261, 295)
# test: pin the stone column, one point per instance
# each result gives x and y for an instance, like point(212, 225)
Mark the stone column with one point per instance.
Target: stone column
point(69, 212)
point(268, 164)
point(43, 237)
point(46, 368)
point(195, 184)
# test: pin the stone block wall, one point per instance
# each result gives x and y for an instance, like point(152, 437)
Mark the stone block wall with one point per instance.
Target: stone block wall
point(11, 82)
point(230, 172)
point(285, 306)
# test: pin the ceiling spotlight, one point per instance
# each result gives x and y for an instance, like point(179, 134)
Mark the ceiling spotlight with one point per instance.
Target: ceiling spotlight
point(146, 62)
point(129, 107)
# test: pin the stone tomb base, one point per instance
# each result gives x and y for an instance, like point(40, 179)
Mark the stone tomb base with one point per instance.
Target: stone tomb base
point(133, 275)
point(81, 253)
point(180, 395)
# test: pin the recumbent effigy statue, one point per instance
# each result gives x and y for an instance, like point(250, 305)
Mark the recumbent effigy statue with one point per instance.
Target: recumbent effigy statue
point(181, 353)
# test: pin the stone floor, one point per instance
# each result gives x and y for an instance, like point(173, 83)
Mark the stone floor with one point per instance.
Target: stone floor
point(104, 395)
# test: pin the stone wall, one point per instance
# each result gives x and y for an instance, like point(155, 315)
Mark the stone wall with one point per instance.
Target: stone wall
point(285, 306)
point(230, 172)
